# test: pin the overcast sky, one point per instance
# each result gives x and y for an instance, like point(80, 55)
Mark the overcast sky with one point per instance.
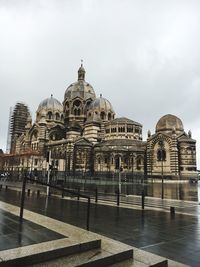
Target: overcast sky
point(142, 55)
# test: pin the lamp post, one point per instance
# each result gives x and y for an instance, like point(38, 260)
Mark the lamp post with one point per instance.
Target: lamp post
point(119, 178)
point(162, 157)
point(48, 170)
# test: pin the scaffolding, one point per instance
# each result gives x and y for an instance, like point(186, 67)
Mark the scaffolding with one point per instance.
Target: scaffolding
point(8, 145)
point(18, 120)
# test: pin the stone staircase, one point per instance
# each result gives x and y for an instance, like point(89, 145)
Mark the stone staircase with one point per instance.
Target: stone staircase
point(91, 253)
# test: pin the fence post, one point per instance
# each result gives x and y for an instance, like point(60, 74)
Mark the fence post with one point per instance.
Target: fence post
point(63, 193)
point(88, 214)
point(22, 198)
point(118, 197)
point(96, 195)
point(172, 210)
point(143, 196)
point(78, 193)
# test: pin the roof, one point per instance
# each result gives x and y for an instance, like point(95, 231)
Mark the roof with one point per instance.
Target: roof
point(81, 88)
point(169, 122)
point(50, 103)
point(124, 120)
point(102, 104)
point(121, 144)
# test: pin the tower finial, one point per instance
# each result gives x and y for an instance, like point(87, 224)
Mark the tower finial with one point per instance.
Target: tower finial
point(81, 72)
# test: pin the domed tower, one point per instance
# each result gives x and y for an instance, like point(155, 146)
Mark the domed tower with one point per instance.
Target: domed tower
point(171, 152)
point(99, 112)
point(77, 99)
point(100, 109)
point(50, 110)
point(169, 124)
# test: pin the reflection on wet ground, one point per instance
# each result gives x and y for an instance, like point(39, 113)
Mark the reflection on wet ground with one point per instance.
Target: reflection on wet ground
point(13, 234)
point(175, 237)
point(172, 189)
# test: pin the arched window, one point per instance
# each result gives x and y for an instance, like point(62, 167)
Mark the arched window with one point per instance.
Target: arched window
point(117, 163)
point(109, 116)
point(139, 163)
point(77, 107)
point(50, 115)
point(57, 116)
point(161, 155)
point(102, 115)
point(77, 103)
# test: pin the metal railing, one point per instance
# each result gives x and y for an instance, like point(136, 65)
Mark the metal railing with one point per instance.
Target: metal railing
point(62, 189)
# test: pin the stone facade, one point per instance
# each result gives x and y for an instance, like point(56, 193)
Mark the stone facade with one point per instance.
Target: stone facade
point(83, 135)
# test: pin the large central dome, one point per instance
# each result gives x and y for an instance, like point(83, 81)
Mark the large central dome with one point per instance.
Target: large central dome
point(169, 123)
point(80, 89)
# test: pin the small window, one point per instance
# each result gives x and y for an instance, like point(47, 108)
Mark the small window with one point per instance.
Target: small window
point(50, 115)
point(57, 116)
point(102, 115)
point(161, 155)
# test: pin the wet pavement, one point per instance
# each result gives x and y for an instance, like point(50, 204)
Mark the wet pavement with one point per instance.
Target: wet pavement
point(13, 234)
point(175, 237)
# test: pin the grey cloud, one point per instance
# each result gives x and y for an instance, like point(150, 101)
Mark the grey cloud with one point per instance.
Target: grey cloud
point(142, 55)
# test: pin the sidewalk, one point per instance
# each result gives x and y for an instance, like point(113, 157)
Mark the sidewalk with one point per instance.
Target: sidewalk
point(175, 237)
point(72, 235)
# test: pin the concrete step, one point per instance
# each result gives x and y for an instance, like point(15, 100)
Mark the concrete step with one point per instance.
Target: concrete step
point(135, 263)
point(147, 259)
point(46, 252)
point(92, 258)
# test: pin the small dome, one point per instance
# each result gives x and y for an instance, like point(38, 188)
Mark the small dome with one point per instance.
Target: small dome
point(100, 109)
point(50, 104)
point(169, 123)
point(101, 104)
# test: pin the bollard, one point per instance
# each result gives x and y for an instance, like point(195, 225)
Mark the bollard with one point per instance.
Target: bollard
point(63, 190)
point(6, 187)
point(38, 193)
point(143, 196)
point(118, 197)
point(172, 210)
point(96, 195)
point(28, 192)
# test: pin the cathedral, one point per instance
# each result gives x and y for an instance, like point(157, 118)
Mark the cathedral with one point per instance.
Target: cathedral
point(82, 134)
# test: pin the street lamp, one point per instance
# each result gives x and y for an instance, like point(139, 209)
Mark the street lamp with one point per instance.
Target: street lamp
point(162, 156)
